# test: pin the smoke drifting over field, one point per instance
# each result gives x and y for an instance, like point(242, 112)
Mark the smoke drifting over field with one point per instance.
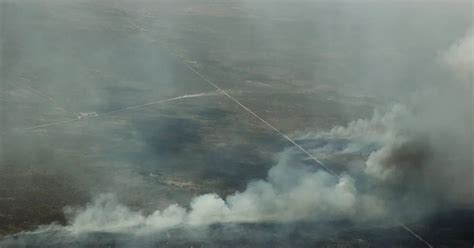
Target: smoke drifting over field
point(421, 150)
point(145, 165)
point(288, 194)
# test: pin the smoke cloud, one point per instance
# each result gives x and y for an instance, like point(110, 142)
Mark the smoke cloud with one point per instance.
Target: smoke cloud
point(410, 155)
point(413, 156)
point(290, 193)
point(460, 56)
point(427, 141)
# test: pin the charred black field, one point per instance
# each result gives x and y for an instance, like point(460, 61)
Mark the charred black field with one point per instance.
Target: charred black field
point(236, 123)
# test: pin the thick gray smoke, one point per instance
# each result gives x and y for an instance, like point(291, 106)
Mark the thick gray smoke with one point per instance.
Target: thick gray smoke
point(427, 141)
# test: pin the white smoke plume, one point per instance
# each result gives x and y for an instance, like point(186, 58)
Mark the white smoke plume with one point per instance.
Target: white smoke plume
point(460, 57)
point(290, 193)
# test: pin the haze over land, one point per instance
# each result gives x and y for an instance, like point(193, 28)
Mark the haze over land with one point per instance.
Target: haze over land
point(112, 134)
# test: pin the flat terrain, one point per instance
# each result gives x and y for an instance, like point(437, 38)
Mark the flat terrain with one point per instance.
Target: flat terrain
point(81, 110)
